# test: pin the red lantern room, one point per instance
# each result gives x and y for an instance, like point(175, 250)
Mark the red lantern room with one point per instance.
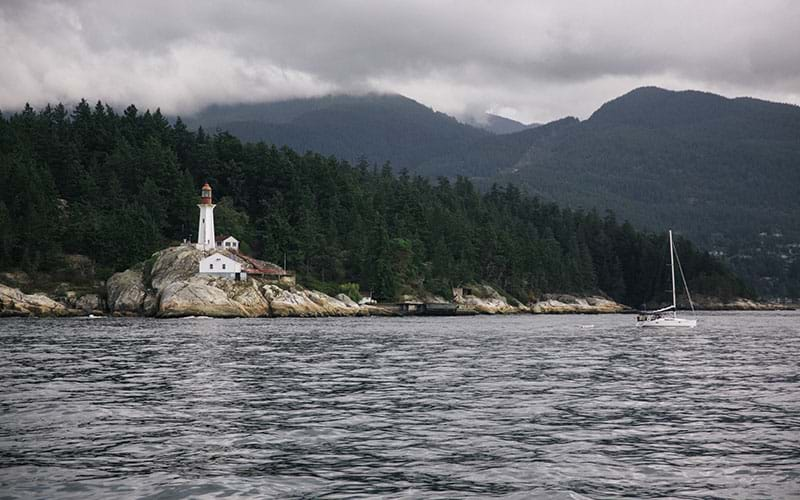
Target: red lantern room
point(205, 194)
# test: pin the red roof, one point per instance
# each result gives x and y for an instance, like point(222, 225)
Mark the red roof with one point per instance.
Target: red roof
point(261, 267)
point(276, 272)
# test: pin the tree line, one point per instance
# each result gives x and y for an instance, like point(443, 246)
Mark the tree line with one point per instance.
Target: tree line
point(118, 186)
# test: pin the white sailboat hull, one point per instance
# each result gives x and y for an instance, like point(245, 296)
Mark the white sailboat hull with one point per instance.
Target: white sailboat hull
point(661, 318)
point(669, 322)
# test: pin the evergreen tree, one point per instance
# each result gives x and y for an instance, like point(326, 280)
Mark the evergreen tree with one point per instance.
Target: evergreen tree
point(118, 187)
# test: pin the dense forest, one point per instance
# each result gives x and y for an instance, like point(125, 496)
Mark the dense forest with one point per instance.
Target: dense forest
point(118, 186)
point(724, 172)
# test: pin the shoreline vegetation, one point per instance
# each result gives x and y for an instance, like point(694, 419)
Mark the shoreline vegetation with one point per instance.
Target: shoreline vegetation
point(90, 193)
point(167, 286)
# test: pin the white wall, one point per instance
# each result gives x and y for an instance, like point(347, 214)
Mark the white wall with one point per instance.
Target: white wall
point(230, 242)
point(219, 264)
point(205, 228)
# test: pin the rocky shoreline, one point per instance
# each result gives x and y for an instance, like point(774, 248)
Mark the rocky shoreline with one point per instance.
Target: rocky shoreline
point(167, 286)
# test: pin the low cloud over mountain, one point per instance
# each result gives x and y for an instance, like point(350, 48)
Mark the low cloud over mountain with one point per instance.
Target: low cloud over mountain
point(532, 62)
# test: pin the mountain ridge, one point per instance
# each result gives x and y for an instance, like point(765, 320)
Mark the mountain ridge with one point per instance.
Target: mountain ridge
point(499, 125)
point(376, 127)
point(722, 170)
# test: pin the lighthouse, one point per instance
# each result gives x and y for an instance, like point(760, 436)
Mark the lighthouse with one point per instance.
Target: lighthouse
point(205, 228)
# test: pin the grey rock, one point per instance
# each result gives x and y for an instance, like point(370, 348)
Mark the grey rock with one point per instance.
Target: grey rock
point(126, 292)
point(15, 303)
point(90, 303)
point(202, 296)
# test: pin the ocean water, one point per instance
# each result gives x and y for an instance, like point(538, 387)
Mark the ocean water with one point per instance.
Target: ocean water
point(507, 407)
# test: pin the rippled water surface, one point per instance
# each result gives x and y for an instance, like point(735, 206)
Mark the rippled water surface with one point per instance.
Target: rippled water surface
point(516, 407)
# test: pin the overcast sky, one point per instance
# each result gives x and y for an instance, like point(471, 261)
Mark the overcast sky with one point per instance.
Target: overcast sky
point(529, 60)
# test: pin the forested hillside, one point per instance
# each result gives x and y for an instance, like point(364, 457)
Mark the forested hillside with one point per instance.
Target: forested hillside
point(726, 172)
point(117, 187)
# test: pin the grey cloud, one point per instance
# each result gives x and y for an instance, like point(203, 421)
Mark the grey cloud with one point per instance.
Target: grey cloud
point(535, 60)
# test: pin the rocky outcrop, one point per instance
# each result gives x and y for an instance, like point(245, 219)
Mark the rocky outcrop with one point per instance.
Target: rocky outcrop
point(71, 284)
point(172, 265)
point(735, 304)
point(346, 300)
point(15, 303)
point(126, 292)
point(483, 299)
point(167, 285)
point(297, 301)
point(570, 304)
point(204, 296)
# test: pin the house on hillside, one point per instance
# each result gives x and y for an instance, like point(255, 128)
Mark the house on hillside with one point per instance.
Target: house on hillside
point(227, 243)
point(221, 266)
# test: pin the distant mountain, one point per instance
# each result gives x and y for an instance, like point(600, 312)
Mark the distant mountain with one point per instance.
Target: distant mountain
point(486, 157)
point(378, 127)
point(499, 125)
point(725, 172)
point(721, 170)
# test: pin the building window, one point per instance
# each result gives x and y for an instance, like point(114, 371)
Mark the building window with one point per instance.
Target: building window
point(211, 266)
point(223, 266)
point(204, 220)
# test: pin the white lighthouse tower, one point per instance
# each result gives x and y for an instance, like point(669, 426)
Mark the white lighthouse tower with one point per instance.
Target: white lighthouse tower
point(205, 229)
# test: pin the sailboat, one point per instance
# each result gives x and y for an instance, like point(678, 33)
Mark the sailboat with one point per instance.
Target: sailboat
point(668, 316)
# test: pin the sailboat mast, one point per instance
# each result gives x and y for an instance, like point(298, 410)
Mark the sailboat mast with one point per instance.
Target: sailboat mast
point(672, 270)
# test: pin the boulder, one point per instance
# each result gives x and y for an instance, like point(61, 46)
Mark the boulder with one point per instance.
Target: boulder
point(204, 296)
point(570, 304)
point(15, 303)
point(173, 264)
point(150, 304)
point(126, 292)
point(486, 300)
point(289, 302)
point(347, 301)
point(330, 306)
point(300, 302)
point(91, 303)
point(69, 298)
point(247, 295)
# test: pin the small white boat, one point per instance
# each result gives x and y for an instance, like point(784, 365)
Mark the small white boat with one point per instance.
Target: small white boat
point(665, 319)
point(668, 316)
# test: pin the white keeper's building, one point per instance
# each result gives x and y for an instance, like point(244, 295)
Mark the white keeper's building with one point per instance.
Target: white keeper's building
point(228, 243)
point(220, 266)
